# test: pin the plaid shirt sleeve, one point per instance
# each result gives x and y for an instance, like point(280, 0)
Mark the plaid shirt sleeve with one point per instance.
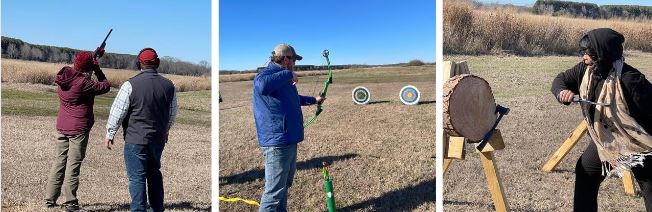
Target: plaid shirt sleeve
point(118, 110)
point(173, 111)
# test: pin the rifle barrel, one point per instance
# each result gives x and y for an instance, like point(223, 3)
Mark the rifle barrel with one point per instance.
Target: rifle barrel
point(107, 36)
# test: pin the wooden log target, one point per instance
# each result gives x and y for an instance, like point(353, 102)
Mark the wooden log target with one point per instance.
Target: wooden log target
point(409, 95)
point(360, 95)
point(469, 107)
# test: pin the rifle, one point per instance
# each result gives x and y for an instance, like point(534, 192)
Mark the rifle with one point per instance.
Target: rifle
point(99, 51)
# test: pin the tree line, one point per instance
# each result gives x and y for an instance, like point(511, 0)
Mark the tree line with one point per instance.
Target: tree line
point(589, 10)
point(17, 49)
point(414, 62)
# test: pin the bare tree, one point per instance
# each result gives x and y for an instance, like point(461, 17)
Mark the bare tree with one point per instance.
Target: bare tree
point(36, 53)
point(12, 51)
point(25, 52)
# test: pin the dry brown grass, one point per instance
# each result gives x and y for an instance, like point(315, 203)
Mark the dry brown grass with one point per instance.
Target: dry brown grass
point(28, 132)
point(382, 153)
point(27, 147)
point(469, 30)
point(21, 71)
point(250, 76)
point(535, 127)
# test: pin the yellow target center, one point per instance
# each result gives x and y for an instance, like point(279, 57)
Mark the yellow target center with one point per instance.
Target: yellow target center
point(410, 95)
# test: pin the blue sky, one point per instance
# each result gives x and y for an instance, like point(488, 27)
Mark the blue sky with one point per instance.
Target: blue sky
point(180, 29)
point(598, 2)
point(355, 32)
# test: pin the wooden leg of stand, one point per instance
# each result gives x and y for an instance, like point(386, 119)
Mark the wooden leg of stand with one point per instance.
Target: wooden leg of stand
point(447, 162)
point(493, 180)
point(565, 147)
point(628, 183)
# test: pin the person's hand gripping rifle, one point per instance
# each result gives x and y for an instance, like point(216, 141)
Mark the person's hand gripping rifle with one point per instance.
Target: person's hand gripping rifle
point(99, 51)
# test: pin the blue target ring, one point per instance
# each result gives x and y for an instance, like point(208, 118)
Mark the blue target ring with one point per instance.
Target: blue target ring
point(410, 95)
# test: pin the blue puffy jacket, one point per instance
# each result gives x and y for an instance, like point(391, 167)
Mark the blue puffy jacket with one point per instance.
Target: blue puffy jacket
point(277, 107)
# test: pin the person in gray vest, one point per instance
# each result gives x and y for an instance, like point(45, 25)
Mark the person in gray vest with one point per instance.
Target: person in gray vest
point(146, 107)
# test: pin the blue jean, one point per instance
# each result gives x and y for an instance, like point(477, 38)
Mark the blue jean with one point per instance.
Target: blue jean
point(280, 165)
point(145, 179)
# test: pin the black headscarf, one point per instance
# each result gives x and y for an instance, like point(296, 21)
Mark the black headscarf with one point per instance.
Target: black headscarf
point(605, 46)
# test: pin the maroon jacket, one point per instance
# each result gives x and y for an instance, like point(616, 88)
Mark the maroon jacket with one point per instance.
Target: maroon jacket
point(76, 97)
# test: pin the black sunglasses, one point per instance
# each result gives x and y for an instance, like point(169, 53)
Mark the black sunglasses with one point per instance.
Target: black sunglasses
point(586, 51)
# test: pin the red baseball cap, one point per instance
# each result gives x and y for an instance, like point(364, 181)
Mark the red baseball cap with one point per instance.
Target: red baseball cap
point(148, 56)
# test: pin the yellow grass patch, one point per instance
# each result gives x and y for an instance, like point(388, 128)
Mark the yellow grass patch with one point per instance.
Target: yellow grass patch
point(471, 30)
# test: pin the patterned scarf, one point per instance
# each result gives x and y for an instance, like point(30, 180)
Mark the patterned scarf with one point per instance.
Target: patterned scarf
point(622, 143)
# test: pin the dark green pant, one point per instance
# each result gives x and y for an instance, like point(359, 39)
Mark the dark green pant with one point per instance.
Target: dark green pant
point(69, 152)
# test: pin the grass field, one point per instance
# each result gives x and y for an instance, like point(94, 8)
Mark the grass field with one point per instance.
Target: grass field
point(382, 153)
point(22, 71)
point(28, 132)
point(474, 30)
point(535, 127)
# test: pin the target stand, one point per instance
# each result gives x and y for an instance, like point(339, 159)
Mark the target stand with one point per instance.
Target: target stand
point(571, 141)
point(455, 147)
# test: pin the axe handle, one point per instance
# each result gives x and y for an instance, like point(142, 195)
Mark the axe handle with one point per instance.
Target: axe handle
point(487, 136)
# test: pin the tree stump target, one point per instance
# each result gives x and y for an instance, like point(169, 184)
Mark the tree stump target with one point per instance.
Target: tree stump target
point(469, 107)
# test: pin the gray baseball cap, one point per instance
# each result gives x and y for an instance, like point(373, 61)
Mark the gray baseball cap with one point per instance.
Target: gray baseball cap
point(286, 50)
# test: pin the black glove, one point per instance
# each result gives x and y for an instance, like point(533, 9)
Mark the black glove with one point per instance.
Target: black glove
point(99, 52)
point(98, 72)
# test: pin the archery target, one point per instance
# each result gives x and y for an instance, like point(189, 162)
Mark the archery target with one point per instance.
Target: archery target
point(409, 95)
point(360, 95)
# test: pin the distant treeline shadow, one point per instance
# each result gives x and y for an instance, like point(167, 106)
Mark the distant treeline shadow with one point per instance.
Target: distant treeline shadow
point(314, 163)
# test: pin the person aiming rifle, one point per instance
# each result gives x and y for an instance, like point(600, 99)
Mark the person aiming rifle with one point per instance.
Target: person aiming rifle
point(76, 90)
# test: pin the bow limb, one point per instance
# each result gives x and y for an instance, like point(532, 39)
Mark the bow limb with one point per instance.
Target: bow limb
point(324, 90)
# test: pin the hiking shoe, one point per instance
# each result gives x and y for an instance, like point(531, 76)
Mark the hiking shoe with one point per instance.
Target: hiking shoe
point(74, 208)
point(50, 205)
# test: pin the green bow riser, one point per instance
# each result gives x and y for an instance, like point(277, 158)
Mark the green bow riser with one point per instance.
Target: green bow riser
point(328, 81)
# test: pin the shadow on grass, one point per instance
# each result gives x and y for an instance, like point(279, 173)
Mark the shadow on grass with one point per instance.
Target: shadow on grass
point(405, 199)
point(251, 175)
point(426, 102)
point(377, 102)
point(126, 206)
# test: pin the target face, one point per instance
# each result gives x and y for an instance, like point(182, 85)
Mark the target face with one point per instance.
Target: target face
point(409, 95)
point(360, 95)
